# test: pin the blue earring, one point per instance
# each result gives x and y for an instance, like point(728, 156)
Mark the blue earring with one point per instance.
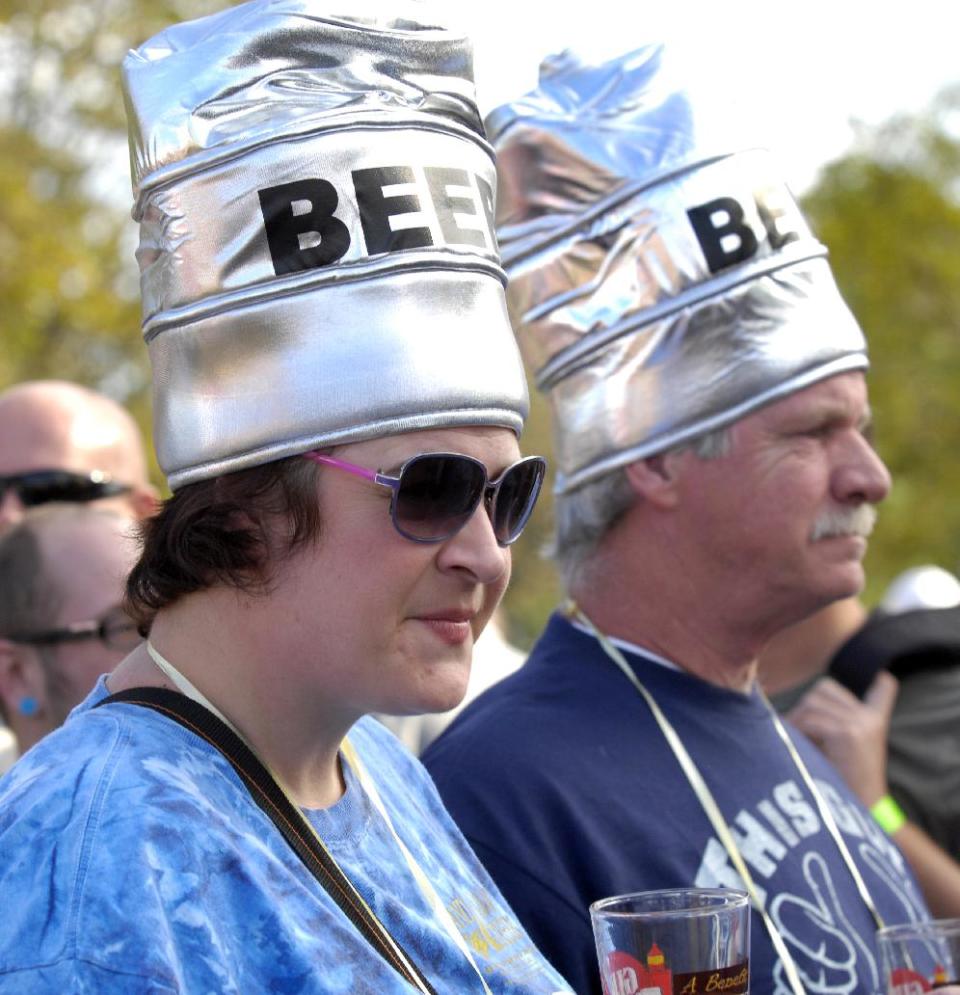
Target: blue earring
point(28, 706)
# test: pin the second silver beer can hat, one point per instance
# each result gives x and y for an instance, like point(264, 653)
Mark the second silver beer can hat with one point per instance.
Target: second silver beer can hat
point(317, 256)
point(663, 283)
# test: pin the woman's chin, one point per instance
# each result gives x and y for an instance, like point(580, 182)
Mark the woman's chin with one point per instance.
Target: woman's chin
point(445, 690)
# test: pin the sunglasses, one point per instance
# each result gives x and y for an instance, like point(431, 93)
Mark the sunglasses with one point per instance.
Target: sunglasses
point(45, 486)
point(115, 629)
point(435, 494)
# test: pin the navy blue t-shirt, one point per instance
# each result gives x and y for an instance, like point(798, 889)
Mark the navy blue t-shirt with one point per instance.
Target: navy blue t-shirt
point(564, 785)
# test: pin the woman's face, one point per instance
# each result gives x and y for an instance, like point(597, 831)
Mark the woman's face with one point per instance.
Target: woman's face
point(373, 621)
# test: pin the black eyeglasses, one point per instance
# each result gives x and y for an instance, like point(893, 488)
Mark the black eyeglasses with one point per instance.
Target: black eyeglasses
point(45, 486)
point(435, 494)
point(115, 629)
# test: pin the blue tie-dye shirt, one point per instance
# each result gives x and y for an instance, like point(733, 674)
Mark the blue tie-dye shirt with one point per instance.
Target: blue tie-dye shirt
point(132, 860)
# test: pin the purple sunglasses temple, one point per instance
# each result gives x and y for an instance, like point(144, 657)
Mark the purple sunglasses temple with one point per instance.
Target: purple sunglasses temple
point(357, 471)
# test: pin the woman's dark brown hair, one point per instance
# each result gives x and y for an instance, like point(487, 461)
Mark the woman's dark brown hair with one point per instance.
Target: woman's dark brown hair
point(229, 530)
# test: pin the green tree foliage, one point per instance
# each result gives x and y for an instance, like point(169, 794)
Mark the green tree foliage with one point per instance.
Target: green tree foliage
point(68, 284)
point(62, 65)
point(64, 309)
point(889, 213)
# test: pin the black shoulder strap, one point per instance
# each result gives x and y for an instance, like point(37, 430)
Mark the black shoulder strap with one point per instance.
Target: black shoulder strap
point(288, 819)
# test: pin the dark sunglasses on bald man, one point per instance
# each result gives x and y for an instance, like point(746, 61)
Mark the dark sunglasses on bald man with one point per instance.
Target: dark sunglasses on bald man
point(36, 487)
point(435, 494)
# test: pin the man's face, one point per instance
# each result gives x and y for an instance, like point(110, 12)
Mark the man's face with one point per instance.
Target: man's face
point(781, 521)
point(88, 557)
point(42, 428)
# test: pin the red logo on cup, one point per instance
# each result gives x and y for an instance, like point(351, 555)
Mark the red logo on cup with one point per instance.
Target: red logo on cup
point(903, 981)
point(626, 975)
point(623, 975)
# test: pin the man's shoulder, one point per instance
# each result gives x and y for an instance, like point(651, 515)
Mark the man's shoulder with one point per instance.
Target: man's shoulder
point(568, 697)
point(542, 746)
point(522, 718)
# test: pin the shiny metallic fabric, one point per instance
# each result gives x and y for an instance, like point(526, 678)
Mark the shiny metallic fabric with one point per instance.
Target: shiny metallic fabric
point(317, 257)
point(661, 286)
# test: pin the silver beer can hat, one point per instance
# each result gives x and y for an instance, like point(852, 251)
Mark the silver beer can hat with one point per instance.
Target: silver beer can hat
point(317, 256)
point(663, 282)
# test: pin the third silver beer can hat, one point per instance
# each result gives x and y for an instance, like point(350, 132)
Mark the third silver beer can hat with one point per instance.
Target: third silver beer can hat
point(663, 282)
point(318, 263)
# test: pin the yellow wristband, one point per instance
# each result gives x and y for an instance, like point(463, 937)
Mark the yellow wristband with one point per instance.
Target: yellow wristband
point(888, 814)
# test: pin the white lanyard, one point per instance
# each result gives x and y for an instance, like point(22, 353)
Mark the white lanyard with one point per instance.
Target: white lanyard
point(712, 809)
point(353, 758)
point(439, 909)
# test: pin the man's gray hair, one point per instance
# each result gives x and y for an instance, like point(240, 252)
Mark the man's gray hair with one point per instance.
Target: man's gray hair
point(586, 515)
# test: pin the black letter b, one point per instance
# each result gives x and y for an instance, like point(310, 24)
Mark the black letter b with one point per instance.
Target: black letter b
point(710, 236)
point(284, 227)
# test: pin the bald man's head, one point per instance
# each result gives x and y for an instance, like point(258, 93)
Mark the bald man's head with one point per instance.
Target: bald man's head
point(55, 425)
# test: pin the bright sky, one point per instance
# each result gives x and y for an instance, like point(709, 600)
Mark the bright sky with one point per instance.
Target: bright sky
point(804, 68)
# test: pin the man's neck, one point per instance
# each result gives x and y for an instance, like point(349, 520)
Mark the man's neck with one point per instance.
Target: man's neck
point(650, 612)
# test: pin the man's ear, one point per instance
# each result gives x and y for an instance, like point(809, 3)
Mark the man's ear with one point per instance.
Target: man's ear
point(655, 478)
point(22, 682)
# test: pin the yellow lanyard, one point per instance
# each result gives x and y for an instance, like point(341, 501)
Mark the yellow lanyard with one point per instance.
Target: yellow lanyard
point(712, 809)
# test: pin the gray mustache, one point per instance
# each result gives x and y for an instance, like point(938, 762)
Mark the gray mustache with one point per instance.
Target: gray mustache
point(857, 521)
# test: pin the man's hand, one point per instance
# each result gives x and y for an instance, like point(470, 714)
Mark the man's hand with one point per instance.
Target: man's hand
point(851, 733)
